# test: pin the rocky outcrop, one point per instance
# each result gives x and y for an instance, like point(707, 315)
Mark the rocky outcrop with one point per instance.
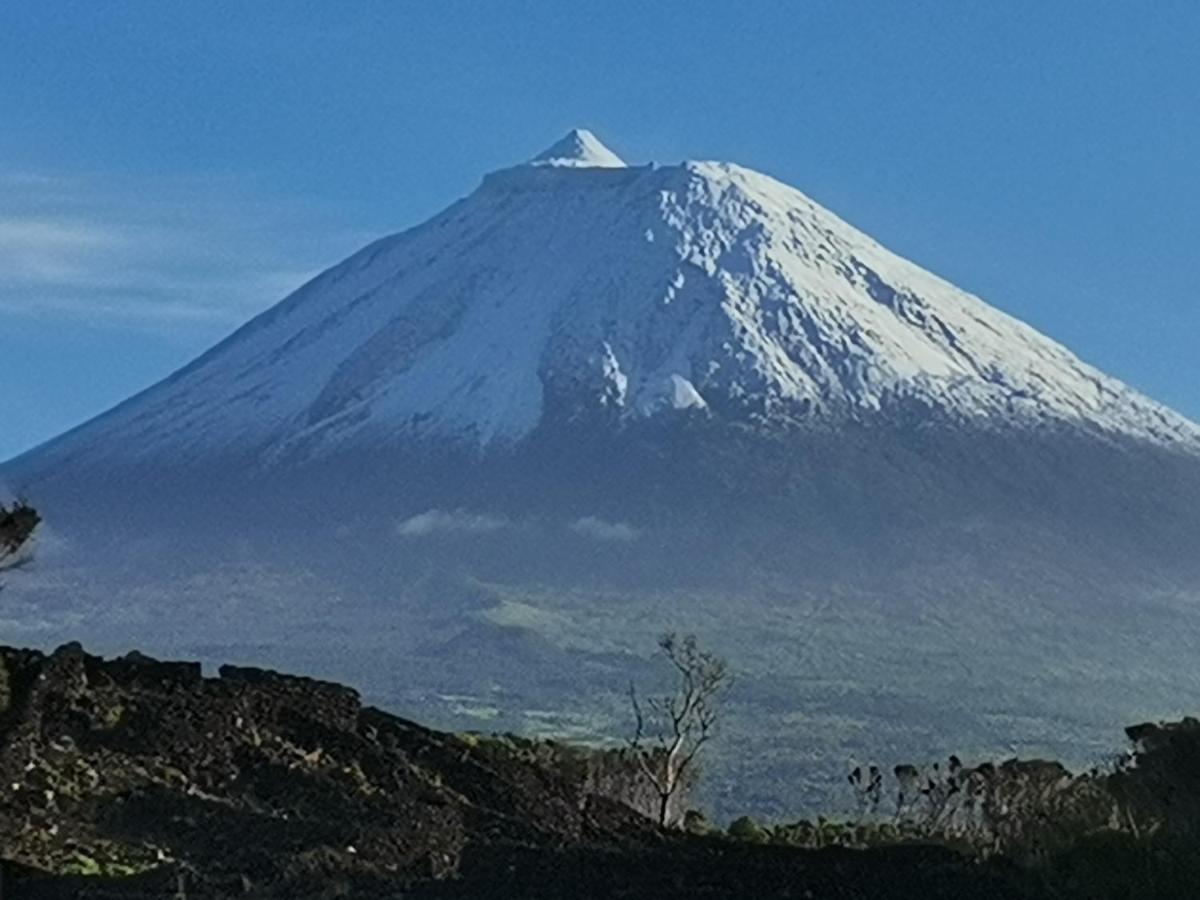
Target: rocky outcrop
point(255, 780)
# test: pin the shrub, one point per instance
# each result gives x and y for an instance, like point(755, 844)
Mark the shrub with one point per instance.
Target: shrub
point(746, 829)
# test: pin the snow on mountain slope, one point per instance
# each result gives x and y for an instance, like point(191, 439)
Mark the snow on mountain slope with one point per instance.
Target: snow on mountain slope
point(574, 282)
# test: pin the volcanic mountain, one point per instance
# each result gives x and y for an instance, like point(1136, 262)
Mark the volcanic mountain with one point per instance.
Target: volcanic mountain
point(592, 399)
point(575, 285)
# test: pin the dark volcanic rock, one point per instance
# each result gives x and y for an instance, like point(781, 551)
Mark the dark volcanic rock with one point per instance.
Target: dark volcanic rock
point(133, 765)
point(135, 778)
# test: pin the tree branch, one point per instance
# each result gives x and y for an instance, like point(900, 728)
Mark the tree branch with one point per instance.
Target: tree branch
point(683, 720)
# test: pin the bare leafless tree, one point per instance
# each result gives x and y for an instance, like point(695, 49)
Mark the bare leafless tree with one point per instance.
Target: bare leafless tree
point(670, 730)
point(17, 524)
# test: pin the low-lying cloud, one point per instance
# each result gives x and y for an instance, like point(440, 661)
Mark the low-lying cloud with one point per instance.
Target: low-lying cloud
point(600, 530)
point(458, 521)
point(466, 522)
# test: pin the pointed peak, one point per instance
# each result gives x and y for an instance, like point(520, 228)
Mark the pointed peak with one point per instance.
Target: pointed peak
point(579, 149)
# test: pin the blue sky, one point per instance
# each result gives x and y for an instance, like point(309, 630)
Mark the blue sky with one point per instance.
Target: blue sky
point(168, 169)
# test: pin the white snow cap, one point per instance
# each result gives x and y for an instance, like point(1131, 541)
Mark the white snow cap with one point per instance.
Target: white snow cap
point(579, 149)
point(567, 286)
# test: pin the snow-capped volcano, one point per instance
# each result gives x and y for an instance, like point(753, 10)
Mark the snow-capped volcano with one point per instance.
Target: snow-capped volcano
point(481, 461)
point(579, 285)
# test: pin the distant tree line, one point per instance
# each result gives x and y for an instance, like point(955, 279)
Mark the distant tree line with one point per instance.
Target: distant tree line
point(1126, 829)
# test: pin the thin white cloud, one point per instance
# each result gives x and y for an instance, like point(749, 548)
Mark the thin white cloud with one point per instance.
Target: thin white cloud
point(17, 178)
point(600, 530)
point(458, 521)
point(103, 251)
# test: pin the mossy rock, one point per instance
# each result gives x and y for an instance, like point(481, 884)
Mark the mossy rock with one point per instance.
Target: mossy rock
point(82, 864)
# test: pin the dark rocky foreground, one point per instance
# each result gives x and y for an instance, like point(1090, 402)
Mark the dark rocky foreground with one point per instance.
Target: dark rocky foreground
point(137, 778)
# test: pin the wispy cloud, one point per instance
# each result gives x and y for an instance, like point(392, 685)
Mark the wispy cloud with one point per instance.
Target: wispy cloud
point(106, 251)
point(458, 521)
point(600, 530)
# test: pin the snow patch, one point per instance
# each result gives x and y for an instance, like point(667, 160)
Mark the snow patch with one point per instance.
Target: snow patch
point(672, 392)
